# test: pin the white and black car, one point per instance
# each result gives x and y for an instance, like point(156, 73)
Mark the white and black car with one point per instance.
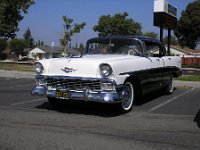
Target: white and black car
point(113, 69)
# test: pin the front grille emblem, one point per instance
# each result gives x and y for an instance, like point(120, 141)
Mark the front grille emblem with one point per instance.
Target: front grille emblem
point(68, 70)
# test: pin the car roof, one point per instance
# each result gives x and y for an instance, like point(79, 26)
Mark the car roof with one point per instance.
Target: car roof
point(142, 38)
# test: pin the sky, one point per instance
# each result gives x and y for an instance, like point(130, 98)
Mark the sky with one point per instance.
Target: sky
point(44, 18)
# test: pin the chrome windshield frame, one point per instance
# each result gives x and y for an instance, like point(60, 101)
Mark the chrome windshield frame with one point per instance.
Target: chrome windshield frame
point(141, 43)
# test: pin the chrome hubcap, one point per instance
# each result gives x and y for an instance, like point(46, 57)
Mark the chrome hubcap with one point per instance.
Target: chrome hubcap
point(128, 97)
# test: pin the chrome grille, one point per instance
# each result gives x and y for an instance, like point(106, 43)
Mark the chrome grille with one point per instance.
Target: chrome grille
point(74, 84)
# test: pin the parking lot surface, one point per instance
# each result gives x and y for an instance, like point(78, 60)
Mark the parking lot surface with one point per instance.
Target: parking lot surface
point(157, 121)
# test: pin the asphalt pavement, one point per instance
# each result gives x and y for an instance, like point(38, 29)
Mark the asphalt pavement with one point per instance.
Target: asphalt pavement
point(157, 121)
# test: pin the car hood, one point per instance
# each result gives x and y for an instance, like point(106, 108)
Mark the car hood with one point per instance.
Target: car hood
point(86, 66)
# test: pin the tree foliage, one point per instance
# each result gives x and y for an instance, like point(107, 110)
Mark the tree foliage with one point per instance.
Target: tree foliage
point(29, 41)
point(188, 28)
point(11, 13)
point(174, 40)
point(3, 45)
point(39, 43)
point(17, 45)
point(117, 24)
point(81, 47)
point(151, 34)
point(69, 30)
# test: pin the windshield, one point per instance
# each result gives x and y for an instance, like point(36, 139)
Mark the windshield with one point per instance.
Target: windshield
point(114, 46)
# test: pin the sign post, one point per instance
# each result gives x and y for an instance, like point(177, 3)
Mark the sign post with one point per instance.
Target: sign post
point(165, 17)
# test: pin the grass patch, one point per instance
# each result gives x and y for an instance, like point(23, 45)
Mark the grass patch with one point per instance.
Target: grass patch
point(191, 66)
point(189, 78)
point(15, 66)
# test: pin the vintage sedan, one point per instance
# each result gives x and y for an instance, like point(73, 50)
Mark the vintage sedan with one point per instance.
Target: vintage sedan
point(113, 69)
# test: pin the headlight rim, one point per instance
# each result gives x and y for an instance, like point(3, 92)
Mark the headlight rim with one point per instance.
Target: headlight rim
point(101, 71)
point(41, 66)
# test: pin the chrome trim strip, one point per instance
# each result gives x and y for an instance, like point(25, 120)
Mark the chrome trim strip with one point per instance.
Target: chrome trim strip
point(80, 78)
point(103, 97)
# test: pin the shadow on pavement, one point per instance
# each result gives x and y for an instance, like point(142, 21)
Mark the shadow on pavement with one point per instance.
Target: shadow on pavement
point(141, 100)
point(197, 119)
point(97, 109)
point(81, 107)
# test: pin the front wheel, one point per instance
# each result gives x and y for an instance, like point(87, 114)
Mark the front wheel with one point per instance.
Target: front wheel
point(128, 98)
point(170, 87)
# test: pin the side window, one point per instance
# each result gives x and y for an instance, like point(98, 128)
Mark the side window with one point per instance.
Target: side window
point(154, 49)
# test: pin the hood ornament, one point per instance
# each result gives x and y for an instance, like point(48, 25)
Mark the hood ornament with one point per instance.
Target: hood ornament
point(68, 70)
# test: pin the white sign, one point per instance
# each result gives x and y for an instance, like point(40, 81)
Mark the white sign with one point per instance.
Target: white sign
point(164, 6)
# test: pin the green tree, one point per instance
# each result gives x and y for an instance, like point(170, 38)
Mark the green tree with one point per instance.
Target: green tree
point(69, 30)
point(3, 44)
point(17, 45)
point(151, 34)
point(81, 47)
point(117, 24)
point(29, 41)
point(38, 43)
point(11, 13)
point(42, 43)
point(76, 45)
point(70, 45)
point(188, 27)
point(174, 40)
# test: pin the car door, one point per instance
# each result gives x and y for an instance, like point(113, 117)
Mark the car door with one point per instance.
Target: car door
point(153, 78)
point(172, 61)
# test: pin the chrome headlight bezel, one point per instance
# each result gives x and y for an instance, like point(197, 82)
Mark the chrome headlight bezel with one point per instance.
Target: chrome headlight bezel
point(105, 70)
point(38, 68)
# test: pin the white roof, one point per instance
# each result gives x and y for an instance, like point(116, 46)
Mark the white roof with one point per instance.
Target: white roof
point(37, 50)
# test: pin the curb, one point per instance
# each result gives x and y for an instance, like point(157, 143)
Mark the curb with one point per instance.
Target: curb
point(188, 84)
point(190, 69)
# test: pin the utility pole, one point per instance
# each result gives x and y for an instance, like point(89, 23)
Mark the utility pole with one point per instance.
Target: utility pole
point(169, 42)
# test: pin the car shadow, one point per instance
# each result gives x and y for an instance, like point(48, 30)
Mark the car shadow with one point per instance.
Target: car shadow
point(81, 107)
point(98, 109)
point(141, 100)
point(197, 119)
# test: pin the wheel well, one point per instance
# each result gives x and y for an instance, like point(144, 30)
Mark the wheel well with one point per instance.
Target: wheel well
point(175, 75)
point(136, 84)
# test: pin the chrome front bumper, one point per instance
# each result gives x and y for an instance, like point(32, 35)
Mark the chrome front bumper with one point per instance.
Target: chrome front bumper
point(105, 97)
point(85, 95)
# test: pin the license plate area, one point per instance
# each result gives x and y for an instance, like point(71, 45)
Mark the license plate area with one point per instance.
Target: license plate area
point(61, 94)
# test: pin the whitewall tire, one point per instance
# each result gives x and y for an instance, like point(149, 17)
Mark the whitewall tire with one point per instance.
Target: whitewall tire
point(129, 96)
point(170, 87)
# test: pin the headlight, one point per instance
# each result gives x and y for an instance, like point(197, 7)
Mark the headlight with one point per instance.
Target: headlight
point(38, 68)
point(105, 70)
